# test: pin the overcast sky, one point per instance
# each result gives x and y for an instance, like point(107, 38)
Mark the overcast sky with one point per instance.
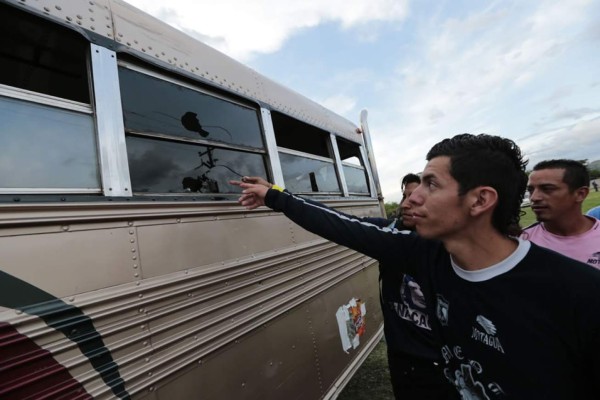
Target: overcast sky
point(425, 70)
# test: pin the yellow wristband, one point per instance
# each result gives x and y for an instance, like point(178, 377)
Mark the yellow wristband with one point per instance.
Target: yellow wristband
point(276, 187)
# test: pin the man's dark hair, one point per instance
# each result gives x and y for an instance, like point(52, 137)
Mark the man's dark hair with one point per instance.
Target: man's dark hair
point(410, 178)
point(576, 174)
point(485, 160)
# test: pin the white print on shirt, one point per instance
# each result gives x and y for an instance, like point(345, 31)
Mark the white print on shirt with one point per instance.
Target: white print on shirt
point(489, 336)
point(441, 309)
point(465, 377)
point(413, 307)
point(417, 317)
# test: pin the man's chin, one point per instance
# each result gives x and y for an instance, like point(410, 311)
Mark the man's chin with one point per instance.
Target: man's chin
point(423, 232)
point(541, 218)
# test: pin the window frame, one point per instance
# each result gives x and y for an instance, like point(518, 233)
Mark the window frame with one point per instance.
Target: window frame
point(17, 93)
point(200, 88)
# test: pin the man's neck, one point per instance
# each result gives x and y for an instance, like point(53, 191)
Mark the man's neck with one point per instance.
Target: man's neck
point(476, 252)
point(574, 226)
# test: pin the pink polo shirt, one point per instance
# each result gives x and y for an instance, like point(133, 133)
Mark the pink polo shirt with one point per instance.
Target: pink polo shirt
point(584, 247)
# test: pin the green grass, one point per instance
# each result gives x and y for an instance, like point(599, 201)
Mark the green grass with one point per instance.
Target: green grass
point(372, 380)
point(591, 201)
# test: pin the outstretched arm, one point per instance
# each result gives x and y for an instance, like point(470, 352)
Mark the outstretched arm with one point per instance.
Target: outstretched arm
point(349, 231)
point(252, 201)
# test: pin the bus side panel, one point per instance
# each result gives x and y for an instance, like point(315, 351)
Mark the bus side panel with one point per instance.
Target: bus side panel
point(275, 361)
point(178, 244)
point(81, 261)
point(296, 356)
point(322, 312)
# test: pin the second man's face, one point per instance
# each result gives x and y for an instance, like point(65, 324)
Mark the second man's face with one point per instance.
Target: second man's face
point(407, 218)
point(550, 196)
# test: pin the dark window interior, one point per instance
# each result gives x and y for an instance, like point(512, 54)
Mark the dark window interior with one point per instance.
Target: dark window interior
point(42, 57)
point(349, 151)
point(296, 135)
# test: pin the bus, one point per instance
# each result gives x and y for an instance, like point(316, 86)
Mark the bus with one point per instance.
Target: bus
point(127, 268)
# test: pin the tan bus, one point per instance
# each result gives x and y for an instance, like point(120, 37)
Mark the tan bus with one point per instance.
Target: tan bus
point(127, 268)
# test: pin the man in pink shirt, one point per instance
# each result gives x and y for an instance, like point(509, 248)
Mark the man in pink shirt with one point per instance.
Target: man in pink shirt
point(557, 190)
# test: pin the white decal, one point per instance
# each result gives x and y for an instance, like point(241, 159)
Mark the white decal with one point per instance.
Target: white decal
point(351, 323)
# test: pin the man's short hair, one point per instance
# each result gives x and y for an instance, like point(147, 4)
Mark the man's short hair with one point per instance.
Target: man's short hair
point(576, 174)
point(485, 160)
point(410, 178)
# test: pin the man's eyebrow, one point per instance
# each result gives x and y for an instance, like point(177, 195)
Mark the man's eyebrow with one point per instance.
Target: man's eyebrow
point(542, 186)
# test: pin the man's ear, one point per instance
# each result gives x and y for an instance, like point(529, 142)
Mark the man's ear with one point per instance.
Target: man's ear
point(483, 198)
point(581, 194)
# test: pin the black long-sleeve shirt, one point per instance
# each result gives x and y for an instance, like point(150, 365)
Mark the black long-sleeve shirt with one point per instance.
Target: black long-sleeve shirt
point(407, 325)
point(527, 327)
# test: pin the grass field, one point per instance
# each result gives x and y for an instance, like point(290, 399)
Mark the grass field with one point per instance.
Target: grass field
point(371, 381)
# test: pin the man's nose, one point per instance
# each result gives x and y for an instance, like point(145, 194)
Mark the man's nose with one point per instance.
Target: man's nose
point(534, 195)
point(415, 197)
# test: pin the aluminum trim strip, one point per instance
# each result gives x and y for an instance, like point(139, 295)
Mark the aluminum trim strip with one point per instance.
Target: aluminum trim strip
point(305, 155)
point(338, 164)
point(272, 147)
point(114, 167)
point(40, 98)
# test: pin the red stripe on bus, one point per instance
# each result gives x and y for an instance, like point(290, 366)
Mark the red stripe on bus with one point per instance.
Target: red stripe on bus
point(29, 372)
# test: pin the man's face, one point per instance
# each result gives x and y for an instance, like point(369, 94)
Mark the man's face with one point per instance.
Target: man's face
point(405, 206)
point(436, 208)
point(550, 197)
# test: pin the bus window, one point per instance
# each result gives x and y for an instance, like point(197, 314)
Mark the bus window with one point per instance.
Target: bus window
point(354, 170)
point(305, 156)
point(161, 166)
point(182, 140)
point(44, 105)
